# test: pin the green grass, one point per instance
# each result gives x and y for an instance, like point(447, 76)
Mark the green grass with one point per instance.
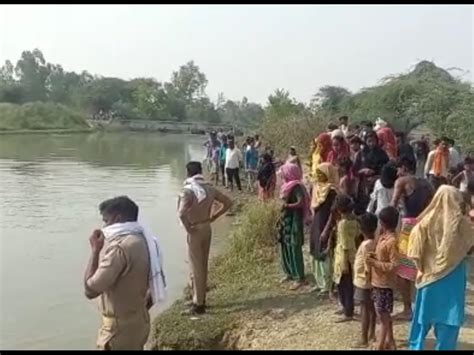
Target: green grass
point(39, 116)
point(247, 264)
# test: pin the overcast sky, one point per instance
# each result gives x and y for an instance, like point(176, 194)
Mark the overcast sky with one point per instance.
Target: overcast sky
point(244, 50)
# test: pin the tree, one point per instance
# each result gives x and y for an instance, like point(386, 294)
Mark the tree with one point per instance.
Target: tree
point(189, 83)
point(32, 72)
point(202, 110)
point(102, 93)
point(7, 72)
point(150, 98)
point(330, 98)
point(280, 105)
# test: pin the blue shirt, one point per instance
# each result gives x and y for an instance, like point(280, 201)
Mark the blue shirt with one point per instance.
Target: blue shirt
point(251, 159)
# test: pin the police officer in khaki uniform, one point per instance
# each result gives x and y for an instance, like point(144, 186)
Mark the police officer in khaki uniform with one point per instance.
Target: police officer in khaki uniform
point(118, 273)
point(195, 210)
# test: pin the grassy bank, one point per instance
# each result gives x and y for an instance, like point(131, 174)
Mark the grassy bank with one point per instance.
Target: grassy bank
point(238, 278)
point(39, 116)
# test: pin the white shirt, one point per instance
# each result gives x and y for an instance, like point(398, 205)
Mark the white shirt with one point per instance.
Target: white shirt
point(382, 195)
point(233, 157)
point(429, 165)
point(463, 183)
point(454, 158)
point(344, 129)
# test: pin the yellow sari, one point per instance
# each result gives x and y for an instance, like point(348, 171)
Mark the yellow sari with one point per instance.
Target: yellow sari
point(327, 179)
point(442, 238)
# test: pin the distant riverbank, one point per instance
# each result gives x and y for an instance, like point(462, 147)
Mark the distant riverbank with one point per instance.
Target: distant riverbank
point(47, 131)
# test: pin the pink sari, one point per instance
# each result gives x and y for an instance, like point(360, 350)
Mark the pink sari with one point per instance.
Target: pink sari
point(292, 176)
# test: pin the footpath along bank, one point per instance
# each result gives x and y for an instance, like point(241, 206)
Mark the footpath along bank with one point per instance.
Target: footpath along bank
point(249, 309)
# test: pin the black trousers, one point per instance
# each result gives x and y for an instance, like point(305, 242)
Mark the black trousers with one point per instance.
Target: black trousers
point(233, 174)
point(346, 293)
point(222, 167)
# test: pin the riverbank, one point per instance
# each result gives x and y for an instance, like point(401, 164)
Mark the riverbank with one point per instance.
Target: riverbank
point(46, 131)
point(249, 309)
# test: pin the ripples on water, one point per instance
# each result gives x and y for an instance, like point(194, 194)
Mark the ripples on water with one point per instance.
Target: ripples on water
point(49, 192)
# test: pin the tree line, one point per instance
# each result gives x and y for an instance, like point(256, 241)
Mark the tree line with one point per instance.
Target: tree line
point(183, 98)
point(427, 96)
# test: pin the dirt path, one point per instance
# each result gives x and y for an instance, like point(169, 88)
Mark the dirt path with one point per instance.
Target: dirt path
point(301, 322)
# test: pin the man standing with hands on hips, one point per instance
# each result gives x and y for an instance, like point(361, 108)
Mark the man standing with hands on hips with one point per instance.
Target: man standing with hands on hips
point(195, 210)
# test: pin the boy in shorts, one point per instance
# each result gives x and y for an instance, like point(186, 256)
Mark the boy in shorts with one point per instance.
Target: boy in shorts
point(383, 263)
point(362, 279)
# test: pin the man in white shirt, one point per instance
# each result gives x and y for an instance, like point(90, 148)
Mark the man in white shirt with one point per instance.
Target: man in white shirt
point(233, 159)
point(441, 151)
point(344, 125)
point(454, 156)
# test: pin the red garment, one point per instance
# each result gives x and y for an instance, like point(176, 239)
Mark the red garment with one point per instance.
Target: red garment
point(324, 144)
point(345, 152)
point(388, 141)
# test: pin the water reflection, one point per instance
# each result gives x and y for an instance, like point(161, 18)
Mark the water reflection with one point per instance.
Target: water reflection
point(49, 191)
point(134, 150)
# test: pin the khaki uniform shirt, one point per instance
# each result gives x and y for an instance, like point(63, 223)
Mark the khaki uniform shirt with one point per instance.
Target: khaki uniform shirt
point(198, 212)
point(122, 281)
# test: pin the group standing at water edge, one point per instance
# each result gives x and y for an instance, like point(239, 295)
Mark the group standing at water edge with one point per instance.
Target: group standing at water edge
point(378, 227)
point(377, 222)
point(369, 197)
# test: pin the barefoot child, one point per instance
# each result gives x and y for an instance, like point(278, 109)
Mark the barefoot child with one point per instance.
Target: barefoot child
point(362, 278)
point(383, 263)
point(347, 230)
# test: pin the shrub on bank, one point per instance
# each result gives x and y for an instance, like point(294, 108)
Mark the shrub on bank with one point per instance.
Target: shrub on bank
point(39, 116)
point(237, 277)
point(297, 130)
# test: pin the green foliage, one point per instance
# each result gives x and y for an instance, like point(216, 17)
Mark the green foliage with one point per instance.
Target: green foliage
point(330, 98)
point(189, 82)
point(280, 105)
point(248, 113)
point(182, 99)
point(296, 130)
point(427, 95)
point(40, 116)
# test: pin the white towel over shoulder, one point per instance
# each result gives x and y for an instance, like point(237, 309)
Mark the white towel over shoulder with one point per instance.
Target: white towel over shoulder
point(157, 280)
point(194, 184)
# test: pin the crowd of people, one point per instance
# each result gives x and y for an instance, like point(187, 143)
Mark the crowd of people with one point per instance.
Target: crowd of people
point(367, 198)
point(383, 216)
point(379, 225)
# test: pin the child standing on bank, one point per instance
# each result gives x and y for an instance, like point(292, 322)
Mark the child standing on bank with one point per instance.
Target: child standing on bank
point(383, 263)
point(362, 279)
point(347, 231)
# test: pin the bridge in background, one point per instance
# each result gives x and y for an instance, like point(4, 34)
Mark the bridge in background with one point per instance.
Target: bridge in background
point(165, 126)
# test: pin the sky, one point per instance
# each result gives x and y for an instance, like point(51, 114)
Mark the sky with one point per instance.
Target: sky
point(245, 50)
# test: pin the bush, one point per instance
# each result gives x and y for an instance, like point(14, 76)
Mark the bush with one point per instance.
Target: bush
point(39, 116)
point(296, 130)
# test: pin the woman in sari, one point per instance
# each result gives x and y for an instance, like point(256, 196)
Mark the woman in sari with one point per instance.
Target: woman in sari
point(323, 196)
point(387, 139)
point(368, 166)
point(296, 209)
point(266, 178)
point(413, 194)
point(322, 147)
point(438, 245)
point(340, 150)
